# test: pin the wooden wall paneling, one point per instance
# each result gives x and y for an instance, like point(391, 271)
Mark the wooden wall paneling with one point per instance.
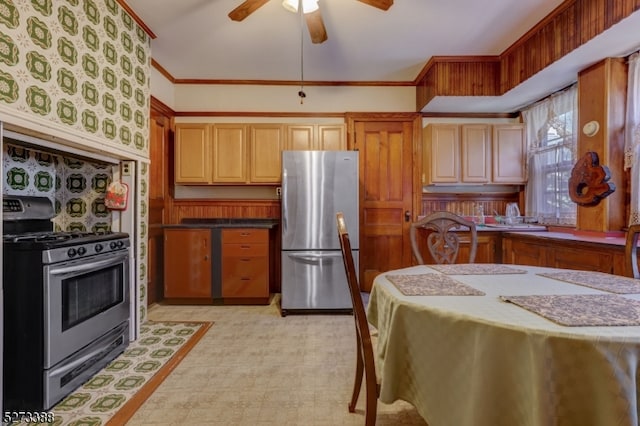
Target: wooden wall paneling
point(602, 97)
point(465, 203)
point(206, 209)
point(570, 25)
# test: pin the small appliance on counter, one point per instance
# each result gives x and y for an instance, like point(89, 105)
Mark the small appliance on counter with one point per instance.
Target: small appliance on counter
point(66, 304)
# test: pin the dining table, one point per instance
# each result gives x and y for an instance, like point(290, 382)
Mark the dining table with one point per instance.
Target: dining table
point(512, 345)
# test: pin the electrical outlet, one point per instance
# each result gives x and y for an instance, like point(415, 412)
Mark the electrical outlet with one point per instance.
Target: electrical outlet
point(279, 191)
point(126, 169)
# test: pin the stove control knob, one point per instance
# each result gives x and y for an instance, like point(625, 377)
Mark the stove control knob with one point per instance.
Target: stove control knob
point(82, 251)
point(113, 245)
point(98, 248)
point(120, 244)
point(71, 252)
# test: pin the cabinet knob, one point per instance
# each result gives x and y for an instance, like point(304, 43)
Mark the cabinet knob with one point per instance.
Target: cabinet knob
point(206, 257)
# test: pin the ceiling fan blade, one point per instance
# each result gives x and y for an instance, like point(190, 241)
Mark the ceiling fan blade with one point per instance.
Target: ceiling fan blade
point(380, 4)
point(246, 9)
point(316, 27)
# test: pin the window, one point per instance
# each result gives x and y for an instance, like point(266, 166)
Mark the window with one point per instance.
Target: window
point(551, 132)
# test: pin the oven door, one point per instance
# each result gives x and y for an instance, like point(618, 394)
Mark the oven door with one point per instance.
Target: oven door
point(83, 300)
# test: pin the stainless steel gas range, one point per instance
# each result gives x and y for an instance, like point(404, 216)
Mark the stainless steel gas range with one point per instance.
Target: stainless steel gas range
point(66, 304)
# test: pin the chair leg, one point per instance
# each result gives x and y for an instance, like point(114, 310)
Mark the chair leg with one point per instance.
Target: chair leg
point(372, 402)
point(358, 380)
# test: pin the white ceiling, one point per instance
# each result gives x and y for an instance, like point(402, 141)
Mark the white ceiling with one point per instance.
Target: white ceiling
point(197, 40)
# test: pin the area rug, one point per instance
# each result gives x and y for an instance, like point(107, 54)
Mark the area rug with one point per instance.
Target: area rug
point(113, 395)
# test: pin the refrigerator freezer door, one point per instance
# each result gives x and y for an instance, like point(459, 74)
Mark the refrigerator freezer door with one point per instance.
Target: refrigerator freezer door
point(315, 280)
point(315, 186)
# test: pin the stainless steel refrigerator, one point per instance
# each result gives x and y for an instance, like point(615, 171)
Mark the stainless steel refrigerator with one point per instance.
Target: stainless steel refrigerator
point(315, 186)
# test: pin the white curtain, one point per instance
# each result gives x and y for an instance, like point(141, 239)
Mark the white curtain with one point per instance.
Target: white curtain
point(538, 119)
point(535, 121)
point(632, 135)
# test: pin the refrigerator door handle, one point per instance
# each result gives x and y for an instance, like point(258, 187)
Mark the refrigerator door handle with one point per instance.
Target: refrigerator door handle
point(283, 200)
point(316, 259)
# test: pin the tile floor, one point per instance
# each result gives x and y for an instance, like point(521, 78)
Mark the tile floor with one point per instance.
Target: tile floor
point(254, 367)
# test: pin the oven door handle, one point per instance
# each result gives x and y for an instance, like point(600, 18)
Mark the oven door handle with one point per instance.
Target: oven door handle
point(87, 267)
point(64, 369)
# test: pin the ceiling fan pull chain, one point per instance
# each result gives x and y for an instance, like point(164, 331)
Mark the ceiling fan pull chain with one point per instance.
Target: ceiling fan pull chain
point(301, 93)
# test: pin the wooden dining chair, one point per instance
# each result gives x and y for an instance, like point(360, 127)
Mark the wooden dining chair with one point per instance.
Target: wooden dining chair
point(443, 242)
point(631, 251)
point(365, 363)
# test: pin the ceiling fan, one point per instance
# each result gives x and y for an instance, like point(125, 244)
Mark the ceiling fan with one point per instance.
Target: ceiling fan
point(314, 18)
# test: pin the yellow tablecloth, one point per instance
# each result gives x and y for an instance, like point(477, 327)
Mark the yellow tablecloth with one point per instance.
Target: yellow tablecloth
point(477, 360)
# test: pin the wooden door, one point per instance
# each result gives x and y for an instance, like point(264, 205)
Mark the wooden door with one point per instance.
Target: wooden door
point(388, 184)
point(159, 157)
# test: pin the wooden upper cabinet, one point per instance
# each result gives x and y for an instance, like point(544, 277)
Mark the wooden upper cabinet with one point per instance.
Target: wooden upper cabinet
point(322, 137)
point(234, 154)
point(300, 137)
point(441, 153)
point(266, 145)
point(331, 137)
point(229, 156)
point(192, 153)
point(509, 150)
point(476, 153)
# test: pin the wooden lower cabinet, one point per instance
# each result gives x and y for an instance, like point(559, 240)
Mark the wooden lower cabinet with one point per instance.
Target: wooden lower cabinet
point(187, 264)
point(488, 251)
point(529, 249)
point(521, 252)
point(245, 265)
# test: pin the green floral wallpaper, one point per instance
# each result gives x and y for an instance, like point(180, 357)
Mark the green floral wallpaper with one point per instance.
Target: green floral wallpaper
point(76, 187)
point(83, 65)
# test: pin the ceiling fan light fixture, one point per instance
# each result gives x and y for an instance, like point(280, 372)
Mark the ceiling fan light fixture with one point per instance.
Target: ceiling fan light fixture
point(308, 6)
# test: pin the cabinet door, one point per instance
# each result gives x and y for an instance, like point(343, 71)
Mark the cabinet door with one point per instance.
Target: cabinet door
point(229, 155)
point(520, 252)
point(476, 153)
point(187, 263)
point(192, 153)
point(583, 259)
point(331, 137)
point(509, 145)
point(300, 137)
point(267, 142)
point(441, 153)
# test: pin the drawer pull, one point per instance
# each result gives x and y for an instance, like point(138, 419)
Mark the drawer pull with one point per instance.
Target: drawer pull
point(245, 279)
point(245, 259)
point(245, 247)
point(245, 234)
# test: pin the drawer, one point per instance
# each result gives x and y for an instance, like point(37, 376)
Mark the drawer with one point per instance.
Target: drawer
point(245, 235)
point(245, 250)
point(245, 277)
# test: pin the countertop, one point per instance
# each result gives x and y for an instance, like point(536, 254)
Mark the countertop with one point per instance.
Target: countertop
point(524, 227)
point(225, 223)
point(611, 238)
